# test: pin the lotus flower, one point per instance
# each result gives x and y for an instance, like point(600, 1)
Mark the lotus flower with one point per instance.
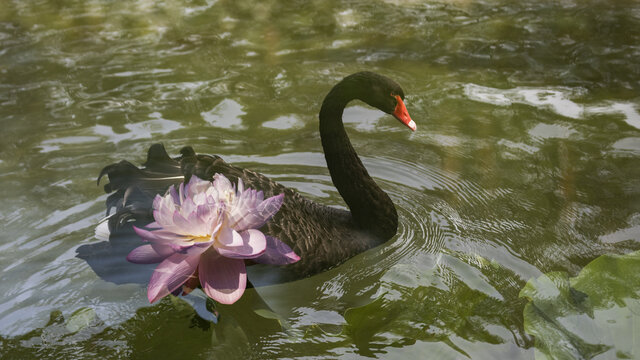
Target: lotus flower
point(203, 232)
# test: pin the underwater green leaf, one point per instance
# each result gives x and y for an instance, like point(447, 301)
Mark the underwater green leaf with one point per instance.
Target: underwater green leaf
point(268, 314)
point(365, 321)
point(80, 319)
point(593, 315)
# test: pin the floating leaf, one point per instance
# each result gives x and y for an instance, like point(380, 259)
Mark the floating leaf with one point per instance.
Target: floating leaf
point(80, 319)
point(595, 314)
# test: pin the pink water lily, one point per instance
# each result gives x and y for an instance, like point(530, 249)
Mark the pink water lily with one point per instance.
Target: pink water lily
point(203, 232)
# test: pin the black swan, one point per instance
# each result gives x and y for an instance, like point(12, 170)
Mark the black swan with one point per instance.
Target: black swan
point(323, 236)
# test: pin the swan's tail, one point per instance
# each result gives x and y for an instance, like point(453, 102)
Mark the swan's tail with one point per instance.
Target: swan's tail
point(132, 189)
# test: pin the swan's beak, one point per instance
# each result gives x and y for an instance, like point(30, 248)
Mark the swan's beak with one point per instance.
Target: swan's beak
point(402, 114)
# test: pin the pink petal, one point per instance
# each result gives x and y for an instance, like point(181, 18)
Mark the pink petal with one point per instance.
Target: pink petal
point(171, 274)
point(207, 217)
point(253, 245)
point(215, 227)
point(221, 183)
point(246, 198)
point(240, 186)
point(146, 254)
point(165, 250)
point(269, 207)
point(211, 215)
point(228, 237)
point(200, 198)
point(181, 193)
point(204, 212)
point(250, 219)
point(174, 195)
point(153, 225)
point(222, 279)
point(161, 237)
point(146, 235)
point(194, 225)
point(277, 253)
point(156, 202)
point(187, 207)
point(180, 221)
point(249, 216)
point(164, 215)
point(196, 186)
point(197, 248)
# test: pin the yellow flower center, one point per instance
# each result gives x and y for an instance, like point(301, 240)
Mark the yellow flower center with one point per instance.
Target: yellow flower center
point(201, 238)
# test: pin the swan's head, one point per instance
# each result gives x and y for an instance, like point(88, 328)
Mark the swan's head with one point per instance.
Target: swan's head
point(385, 94)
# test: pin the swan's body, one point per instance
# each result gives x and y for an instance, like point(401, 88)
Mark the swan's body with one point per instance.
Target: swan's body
point(323, 236)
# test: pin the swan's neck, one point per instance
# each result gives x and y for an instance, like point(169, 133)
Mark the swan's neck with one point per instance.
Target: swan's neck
point(371, 208)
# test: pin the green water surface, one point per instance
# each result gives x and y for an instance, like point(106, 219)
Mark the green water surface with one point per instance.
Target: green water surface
point(524, 171)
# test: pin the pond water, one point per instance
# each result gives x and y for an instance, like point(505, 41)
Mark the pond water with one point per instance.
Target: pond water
point(523, 173)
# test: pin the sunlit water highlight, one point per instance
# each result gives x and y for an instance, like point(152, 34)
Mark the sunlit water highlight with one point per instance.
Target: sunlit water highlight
point(525, 162)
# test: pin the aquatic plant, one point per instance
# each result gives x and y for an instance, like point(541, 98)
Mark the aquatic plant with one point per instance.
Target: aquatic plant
point(202, 234)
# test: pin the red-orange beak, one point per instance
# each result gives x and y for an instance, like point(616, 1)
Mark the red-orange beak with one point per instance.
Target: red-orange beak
point(402, 114)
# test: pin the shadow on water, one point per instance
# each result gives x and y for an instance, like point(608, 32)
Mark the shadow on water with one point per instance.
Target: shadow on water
point(108, 260)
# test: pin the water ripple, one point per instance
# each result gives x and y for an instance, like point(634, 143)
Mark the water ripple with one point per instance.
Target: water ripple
point(556, 99)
